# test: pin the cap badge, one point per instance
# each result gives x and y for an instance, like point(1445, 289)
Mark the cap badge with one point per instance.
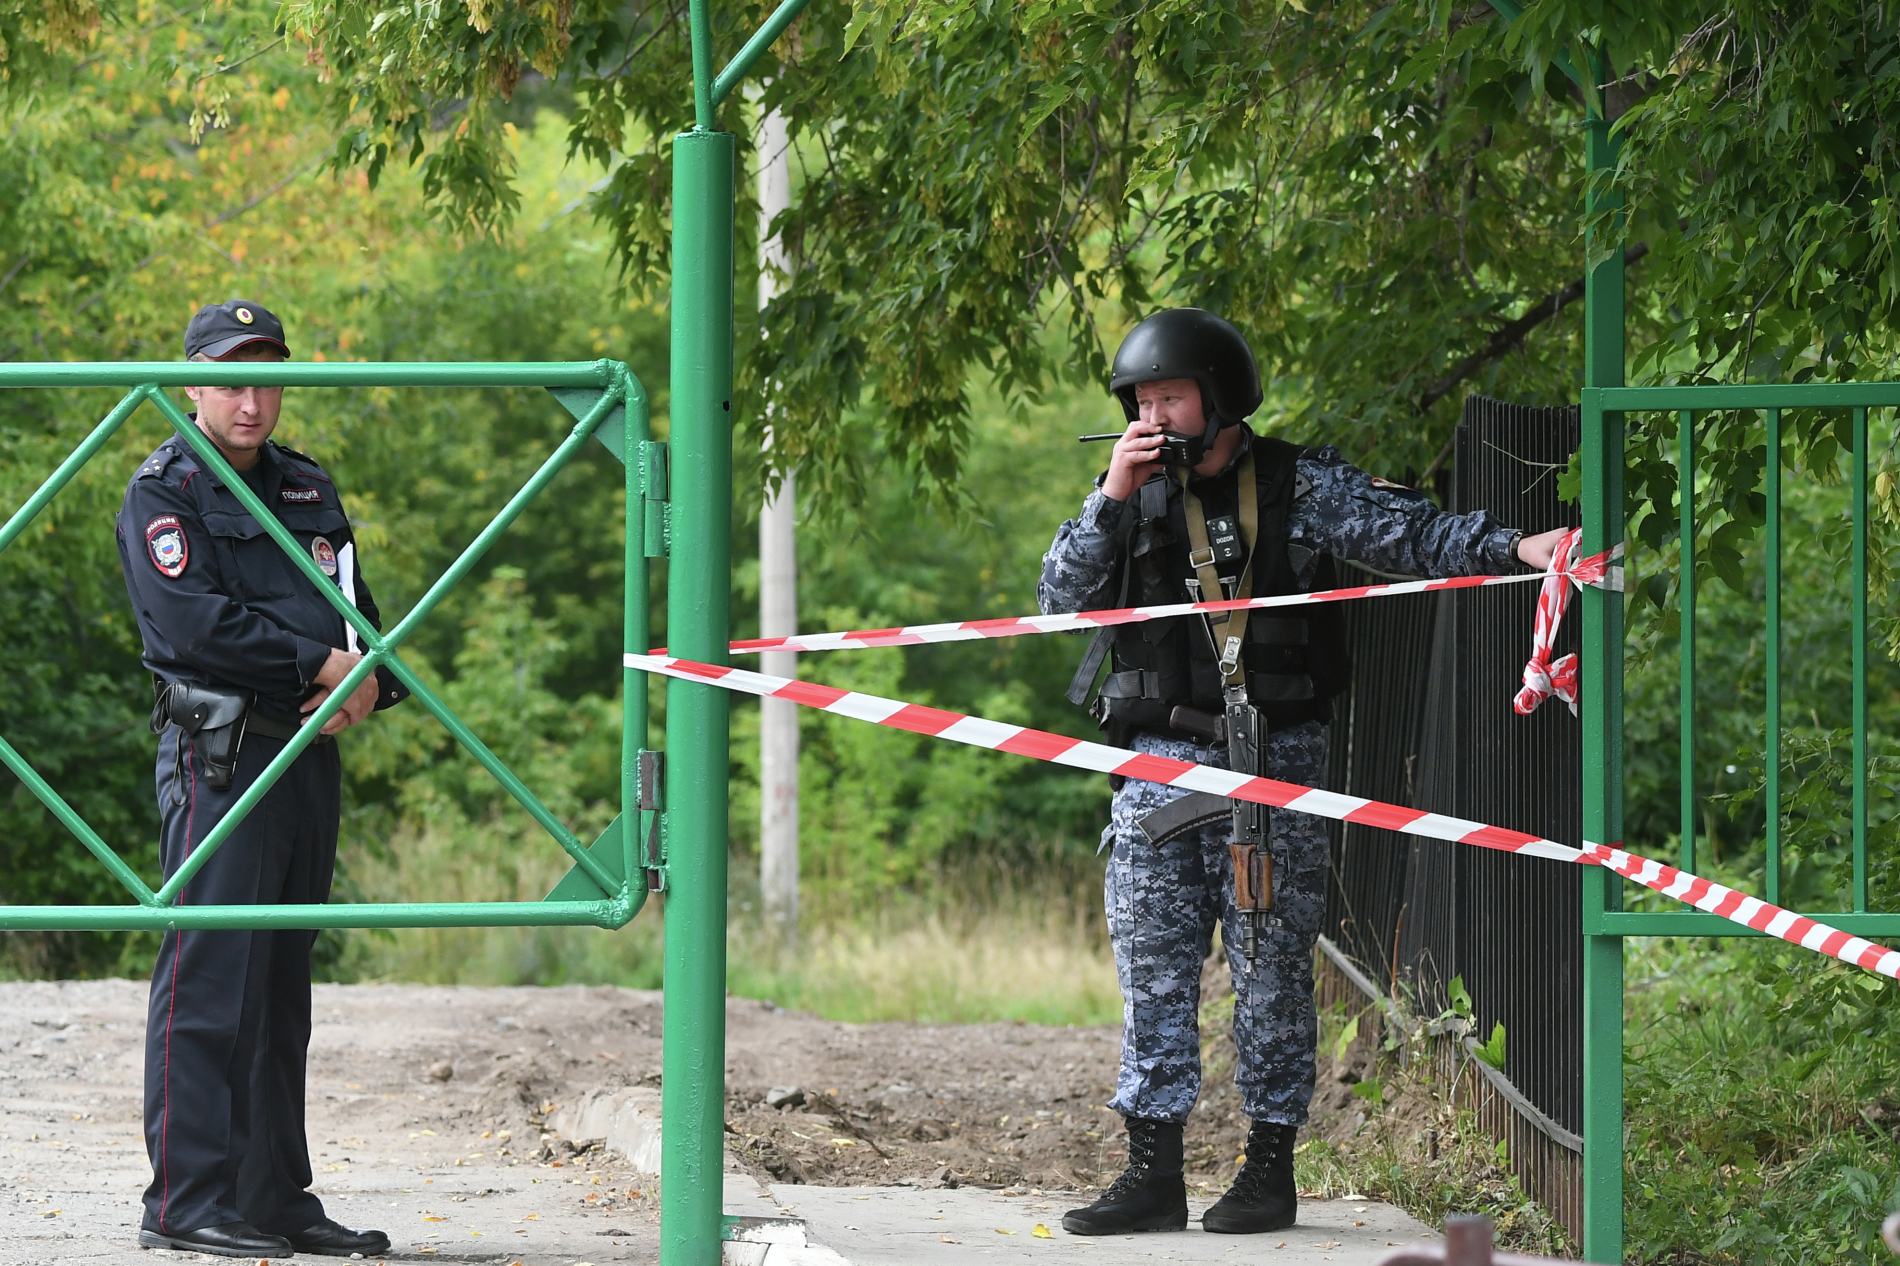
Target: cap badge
point(243, 314)
point(325, 554)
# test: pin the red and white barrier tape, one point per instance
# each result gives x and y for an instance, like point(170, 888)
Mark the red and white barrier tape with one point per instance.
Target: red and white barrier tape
point(1081, 754)
point(1542, 678)
point(1599, 571)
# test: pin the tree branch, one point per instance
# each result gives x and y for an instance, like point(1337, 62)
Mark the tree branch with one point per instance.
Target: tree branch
point(1501, 344)
point(1508, 338)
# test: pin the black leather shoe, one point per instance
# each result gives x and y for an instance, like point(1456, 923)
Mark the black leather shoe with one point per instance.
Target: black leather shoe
point(233, 1239)
point(1264, 1196)
point(333, 1239)
point(1150, 1195)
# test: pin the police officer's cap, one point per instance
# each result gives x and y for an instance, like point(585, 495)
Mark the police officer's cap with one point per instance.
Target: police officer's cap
point(1190, 343)
point(218, 329)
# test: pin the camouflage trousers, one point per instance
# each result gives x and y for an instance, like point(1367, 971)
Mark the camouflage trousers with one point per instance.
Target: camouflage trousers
point(1163, 905)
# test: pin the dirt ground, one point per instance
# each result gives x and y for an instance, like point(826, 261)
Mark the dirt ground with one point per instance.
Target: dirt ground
point(426, 1107)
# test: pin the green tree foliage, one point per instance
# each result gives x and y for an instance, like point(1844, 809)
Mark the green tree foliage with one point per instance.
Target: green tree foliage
point(1382, 195)
point(1370, 192)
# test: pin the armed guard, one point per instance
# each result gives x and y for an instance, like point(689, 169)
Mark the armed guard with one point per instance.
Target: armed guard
point(1195, 506)
point(242, 645)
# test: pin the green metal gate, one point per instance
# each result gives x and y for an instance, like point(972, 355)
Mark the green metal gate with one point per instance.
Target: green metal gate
point(1605, 922)
point(609, 882)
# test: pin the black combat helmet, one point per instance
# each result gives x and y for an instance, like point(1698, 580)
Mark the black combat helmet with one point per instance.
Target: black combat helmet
point(1190, 343)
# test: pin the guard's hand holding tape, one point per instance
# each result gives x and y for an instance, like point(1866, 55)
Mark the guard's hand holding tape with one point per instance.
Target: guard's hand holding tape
point(1542, 678)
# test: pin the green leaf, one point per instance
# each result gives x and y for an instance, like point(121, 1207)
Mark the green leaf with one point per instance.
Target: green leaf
point(1345, 1040)
point(1459, 998)
point(1492, 1052)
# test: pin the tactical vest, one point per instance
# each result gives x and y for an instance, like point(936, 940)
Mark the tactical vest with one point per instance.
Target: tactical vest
point(1295, 658)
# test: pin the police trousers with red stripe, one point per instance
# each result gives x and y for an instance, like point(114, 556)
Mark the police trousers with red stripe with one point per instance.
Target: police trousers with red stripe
point(229, 1024)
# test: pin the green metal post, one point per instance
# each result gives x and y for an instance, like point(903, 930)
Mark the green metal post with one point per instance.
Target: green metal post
point(1602, 724)
point(1685, 588)
point(699, 579)
point(636, 635)
point(1772, 744)
point(1859, 493)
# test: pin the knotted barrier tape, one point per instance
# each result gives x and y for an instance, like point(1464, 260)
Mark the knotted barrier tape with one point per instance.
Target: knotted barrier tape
point(1073, 621)
point(1060, 749)
point(1542, 678)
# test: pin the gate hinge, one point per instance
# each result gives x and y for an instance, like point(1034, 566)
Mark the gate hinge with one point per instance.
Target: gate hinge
point(652, 795)
point(659, 506)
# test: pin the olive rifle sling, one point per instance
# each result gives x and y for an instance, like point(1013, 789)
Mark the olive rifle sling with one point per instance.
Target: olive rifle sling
point(1246, 737)
point(1228, 631)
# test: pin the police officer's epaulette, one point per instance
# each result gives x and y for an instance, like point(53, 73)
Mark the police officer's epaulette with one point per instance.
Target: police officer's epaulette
point(160, 461)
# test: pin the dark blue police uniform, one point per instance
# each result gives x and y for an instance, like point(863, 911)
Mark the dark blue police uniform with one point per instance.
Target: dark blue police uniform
point(219, 604)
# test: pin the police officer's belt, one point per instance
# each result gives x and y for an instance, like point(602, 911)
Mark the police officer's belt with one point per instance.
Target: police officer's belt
point(216, 720)
point(258, 723)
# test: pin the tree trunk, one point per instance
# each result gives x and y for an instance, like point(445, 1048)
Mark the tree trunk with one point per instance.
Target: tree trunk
point(778, 592)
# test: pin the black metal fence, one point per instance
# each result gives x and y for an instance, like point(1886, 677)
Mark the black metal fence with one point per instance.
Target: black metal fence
point(1429, 724)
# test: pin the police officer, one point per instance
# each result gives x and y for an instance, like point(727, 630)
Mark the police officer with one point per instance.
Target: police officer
point(241, 645)
point(1195, 506)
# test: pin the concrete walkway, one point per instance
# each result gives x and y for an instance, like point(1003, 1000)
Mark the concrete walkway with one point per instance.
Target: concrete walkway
point(907, 1226)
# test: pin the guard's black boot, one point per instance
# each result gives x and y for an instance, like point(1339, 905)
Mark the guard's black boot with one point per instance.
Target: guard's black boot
point(1263, 1197)
point(1150, 1195)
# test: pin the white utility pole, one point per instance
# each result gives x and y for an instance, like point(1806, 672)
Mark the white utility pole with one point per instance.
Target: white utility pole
point(778, 588)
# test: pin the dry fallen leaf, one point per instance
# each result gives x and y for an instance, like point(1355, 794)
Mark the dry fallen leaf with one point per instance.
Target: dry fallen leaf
point(435, 1218)
point(947, 1240)
point(1042, 1232)
point(843, 1143)
point(1001, 1231)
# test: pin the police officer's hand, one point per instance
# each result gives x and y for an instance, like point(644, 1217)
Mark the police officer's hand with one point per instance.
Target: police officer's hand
point(362, 700)
point(1134, 459)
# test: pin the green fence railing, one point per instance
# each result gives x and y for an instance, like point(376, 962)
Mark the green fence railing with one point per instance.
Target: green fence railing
point(1605, 922)
point(608, 883)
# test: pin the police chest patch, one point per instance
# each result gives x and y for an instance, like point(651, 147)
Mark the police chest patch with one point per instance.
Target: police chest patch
point(165, 542)
point(300, 496)
point(325, 554)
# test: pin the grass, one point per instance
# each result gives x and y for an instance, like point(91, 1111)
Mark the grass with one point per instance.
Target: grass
point(974, 944)
point(1762, 1092)
point(1018, 962)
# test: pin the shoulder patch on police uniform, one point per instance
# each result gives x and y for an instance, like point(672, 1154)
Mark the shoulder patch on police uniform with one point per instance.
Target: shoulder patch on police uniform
point(165, 542)
point(325, 554)
point(1301, 484)
point(301, 496)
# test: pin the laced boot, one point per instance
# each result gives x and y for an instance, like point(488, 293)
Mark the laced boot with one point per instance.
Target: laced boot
point(1150, 1195)
point(1263, 1197)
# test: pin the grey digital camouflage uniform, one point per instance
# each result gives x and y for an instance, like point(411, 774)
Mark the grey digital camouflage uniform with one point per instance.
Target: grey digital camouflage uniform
point(1163, 903)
